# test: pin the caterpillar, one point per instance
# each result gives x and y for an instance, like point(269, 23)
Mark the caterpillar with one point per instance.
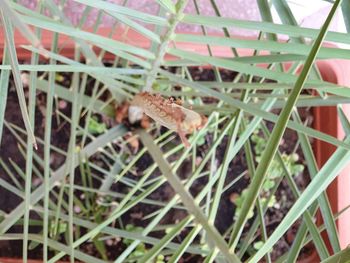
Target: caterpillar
point(168, 113)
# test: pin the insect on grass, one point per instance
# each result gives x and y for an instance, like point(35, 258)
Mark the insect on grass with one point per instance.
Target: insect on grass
point(170, 114)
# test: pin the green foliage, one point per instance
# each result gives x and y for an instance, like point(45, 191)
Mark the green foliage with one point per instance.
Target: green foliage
point(96, 127)
point(275, 172)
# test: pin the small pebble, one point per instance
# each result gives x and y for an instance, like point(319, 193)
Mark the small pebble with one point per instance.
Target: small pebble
point(109, 242)
point(233, 197)
point(62, 104)
point(77, 209)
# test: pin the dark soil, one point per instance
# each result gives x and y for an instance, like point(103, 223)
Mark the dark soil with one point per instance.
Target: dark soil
point(60, 138)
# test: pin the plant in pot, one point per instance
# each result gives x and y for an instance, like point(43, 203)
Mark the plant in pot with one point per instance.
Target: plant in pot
point(87, 175)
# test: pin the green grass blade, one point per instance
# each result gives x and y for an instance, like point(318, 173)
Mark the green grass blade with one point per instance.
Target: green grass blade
point(4, 83)
point(344, 120)
point(59, 174)
point(239, 66)
point(29, 153)
point(323, 201)
point(142, 30)
point(18, 23)
point(47, 152)
point(266, 16)
point(273, 46)
point(345, 7)
point(111, 7)
point(254, 111)
point(276, 135)
point(73, 67)
point(167, 5)
point(162, 48)
point(341, 256)
point(185, 244)
point(9, 187)
point(54, 245)
point(9, 39)
point(114, 46)
point(151, 254)
point(292, 31)
point(186, 198)
point(323, 178)
point(317, 239)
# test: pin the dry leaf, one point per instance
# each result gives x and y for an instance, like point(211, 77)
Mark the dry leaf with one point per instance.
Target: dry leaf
point(121, 112)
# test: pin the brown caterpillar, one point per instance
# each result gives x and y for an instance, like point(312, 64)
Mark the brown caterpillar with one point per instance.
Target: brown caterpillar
point(169, 114)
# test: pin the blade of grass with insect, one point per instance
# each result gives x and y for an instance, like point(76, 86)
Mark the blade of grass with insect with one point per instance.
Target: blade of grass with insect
point(186, 197)
point(9, 40)
point(254, 111)
point(172, 203)
point(156, 220)
point(119, 79)
point(276, 135)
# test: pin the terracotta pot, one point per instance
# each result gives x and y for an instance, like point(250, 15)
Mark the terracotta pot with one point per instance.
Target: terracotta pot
point(325, 118)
